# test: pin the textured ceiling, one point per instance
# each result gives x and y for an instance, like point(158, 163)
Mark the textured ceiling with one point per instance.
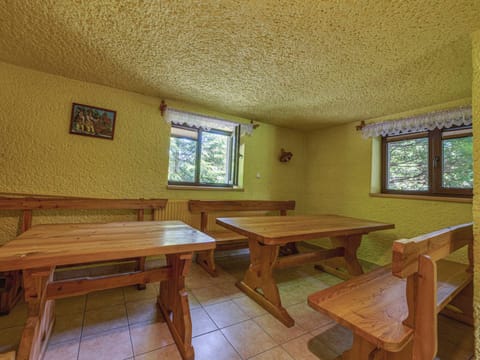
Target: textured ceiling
point(300, 63)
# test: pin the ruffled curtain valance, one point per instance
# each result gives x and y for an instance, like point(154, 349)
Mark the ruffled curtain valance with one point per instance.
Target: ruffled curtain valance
point(440, 119)
point(178, 117)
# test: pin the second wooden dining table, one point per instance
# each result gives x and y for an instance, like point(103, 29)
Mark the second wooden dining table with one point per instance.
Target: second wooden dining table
point(267, 233)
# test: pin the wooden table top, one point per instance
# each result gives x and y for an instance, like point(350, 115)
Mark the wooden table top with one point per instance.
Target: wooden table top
point(277, 230)
point(68, 244)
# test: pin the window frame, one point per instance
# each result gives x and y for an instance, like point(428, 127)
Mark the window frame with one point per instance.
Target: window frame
point(233, 166)
point(435, 162)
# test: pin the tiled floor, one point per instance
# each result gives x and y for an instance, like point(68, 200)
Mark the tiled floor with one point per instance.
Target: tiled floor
point(125, 323)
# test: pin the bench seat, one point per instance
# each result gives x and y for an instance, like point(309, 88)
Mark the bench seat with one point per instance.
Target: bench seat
point(393, 311)
point(375, 305)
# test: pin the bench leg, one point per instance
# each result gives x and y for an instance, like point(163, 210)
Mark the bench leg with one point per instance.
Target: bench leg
point(11, 290)
point(464, 302)
point(206, 260)
point(41, 314)
point(140, 266)
point(288, 249)
point(259, 276)
point(173, 302)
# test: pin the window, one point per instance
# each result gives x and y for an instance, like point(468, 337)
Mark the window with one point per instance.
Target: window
point(437, 162)
point(204, 156)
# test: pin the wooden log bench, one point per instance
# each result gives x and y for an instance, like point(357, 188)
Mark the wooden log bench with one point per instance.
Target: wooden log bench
point(11, 282)
point(227, 239)
point(392, 311)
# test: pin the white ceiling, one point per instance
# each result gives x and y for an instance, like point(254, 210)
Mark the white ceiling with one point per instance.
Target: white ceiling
point(302, 63)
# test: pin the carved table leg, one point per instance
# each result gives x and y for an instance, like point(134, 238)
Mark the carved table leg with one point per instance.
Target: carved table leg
point(260, 276)
point(41, 314)
point(173, 302)
point(350, 244)
point(140, 266)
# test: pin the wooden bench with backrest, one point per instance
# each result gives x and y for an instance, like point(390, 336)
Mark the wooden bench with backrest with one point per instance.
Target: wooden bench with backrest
point(11, 282)
point(392, 311)
point(227, 239)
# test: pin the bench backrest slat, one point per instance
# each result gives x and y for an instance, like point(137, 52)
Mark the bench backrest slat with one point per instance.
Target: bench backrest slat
point(28, 204)
point(436, 245)
point(199, 206)
point(34, 203)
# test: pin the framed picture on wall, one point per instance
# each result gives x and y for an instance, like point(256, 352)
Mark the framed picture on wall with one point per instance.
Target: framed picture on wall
point(92, 121)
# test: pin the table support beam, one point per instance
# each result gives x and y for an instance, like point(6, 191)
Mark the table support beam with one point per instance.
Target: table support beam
point(66, 288)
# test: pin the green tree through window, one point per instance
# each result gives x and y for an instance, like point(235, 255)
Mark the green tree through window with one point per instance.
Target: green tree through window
point(203, 157)
point(437, 162)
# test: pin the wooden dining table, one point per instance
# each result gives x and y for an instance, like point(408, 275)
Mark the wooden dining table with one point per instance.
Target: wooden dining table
point(266, 234)
point(43, 248)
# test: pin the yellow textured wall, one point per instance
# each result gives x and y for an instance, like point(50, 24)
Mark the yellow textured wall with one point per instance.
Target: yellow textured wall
point(39, 156)
point(476, 166)
point(338, 181)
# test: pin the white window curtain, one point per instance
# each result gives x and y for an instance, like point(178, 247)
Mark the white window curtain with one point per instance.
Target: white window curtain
point(173, 116)
point(440, 119)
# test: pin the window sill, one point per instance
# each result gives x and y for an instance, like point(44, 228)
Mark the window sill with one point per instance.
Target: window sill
point(203, 188)
point(424, 197)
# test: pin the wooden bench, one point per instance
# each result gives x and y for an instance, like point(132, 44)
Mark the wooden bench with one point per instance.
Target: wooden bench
point(392, 310)
point(11, 282)
point(227, 239)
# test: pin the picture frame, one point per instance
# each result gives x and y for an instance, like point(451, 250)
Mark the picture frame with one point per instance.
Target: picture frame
point(92, 121)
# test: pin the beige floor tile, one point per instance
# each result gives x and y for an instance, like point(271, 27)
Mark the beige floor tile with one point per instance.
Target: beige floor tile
point(226, 314)
point(248, 338)
point(324, 328)
point(106, 298)
point(249, 306)
point(224, 276)
point(133, 294)
point(307, 347)
point(67, 328)
point(291, 294)
point(111, 345)
point(277, 353)
point(210, 295)
point(62, 351)
point(198, 278)
point(10, 338)
point(328, 279)
point(148, 337)
point(338, 338)
point(16, 317)
point(192, 301)
point(213, 346)
point(69, 306)
point(307, 318)
point(169, 352)
point(279, 332)
point(143, 311)
point(105, 319)
point(230, 289)
point(201, 322)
